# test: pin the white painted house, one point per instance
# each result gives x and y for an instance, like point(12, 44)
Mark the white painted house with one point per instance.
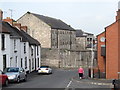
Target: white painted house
point(4, 46)
point(18, 49)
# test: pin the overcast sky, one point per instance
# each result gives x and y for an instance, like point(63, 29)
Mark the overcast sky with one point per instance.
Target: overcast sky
point(89, 15)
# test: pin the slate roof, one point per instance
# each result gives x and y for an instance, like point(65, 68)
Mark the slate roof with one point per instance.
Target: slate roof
point(54, 23)
point(3, 29)
point(21, 34)
point(89, 33)
point(11, 29)
point(79, 33)
point(31, 40)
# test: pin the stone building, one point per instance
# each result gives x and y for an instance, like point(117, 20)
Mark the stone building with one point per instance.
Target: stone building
point(50, 32)
point(84, 40)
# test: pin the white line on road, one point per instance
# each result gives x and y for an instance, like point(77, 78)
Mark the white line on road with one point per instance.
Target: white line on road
point(69, 84)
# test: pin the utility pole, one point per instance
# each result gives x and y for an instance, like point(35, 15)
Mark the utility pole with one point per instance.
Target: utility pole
point(92, 56)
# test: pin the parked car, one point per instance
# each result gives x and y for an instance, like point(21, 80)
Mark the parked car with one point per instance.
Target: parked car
point(15, 74)
point(3, 79)
point(44, 69)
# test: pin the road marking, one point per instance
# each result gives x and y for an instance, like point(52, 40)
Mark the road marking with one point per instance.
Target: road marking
point(69, 84)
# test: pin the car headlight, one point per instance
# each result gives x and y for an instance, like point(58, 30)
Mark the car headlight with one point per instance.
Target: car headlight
point(12, 76)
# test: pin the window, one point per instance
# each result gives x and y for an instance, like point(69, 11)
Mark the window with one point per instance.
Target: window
point(25, 62)
point(38, 62)
point(32, 63)
point(21, 62)
point(16, 61)
point(103, 50)
point(3, 41)
point(31, 51)
point(14, 44)
point(90, 39)
point(10, 61)
point(37, 50)
point(24, 47)
point(87, 39)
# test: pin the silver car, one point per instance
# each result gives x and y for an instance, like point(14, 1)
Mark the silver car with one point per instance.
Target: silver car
point(15, 74)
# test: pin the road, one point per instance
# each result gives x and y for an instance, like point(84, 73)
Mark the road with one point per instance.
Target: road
point(59, 79)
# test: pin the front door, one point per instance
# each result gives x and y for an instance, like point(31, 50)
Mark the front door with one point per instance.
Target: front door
point(29, 65)
point(4, 62)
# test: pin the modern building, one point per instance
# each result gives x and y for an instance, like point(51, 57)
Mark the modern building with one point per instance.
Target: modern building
point(108, 50)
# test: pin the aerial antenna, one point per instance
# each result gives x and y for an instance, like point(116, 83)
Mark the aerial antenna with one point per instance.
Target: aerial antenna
point(11, 12)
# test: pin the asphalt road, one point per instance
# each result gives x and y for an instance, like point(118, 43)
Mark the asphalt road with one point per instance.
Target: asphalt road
point(59, 79)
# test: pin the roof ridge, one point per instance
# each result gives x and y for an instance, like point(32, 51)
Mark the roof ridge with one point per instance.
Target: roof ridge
point(45, 16)
point(53, 22)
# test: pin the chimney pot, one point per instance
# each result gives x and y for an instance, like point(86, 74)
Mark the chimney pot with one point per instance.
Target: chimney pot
point(9, 20)
point(118, 15)
point(17, 25)
point(1, 14)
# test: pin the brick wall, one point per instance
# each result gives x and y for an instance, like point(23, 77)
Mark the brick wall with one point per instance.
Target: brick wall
point(101, 59)
point(112, 51)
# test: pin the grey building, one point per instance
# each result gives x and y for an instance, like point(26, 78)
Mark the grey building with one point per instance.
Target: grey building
point(84, 40)
point(50, 32)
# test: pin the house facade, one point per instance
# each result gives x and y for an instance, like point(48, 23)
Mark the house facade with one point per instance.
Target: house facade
point(18, 49)
point(4, 46)
point(109, 51)
point(50, 32)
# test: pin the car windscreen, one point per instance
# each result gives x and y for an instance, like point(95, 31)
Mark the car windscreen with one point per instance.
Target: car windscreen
point(11, 69)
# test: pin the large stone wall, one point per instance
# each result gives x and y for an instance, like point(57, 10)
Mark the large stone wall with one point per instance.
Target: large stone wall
point(66, 58)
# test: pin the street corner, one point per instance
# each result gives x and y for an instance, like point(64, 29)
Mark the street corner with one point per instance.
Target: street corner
point(106, 83)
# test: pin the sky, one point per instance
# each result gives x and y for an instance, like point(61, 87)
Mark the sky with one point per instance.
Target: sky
point(91, 16)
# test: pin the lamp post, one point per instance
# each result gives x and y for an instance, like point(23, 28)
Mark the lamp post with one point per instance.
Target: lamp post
point(92, 58)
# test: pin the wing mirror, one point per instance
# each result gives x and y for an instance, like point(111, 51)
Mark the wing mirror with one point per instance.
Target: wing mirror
point(21, 71)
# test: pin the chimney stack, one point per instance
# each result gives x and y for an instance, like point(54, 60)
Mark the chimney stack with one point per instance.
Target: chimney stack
point(1, 14)
point(24, 28)
point(9, 20)
point(118, 12)
point(17, 25)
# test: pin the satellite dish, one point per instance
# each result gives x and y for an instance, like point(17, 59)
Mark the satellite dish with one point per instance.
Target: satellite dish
point(102, 39)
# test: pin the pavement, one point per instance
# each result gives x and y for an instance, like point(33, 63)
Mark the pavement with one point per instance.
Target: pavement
point(95, 81)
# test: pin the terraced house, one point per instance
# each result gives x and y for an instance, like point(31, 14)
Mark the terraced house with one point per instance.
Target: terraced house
point(18, 49)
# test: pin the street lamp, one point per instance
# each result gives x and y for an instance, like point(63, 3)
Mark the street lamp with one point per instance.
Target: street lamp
point(92, 58)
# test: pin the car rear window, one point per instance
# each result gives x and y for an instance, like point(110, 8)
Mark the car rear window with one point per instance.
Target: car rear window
point(44, 67)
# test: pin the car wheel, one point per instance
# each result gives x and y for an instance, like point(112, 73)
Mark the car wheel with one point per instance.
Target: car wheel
point(6, 82)
point(18, 79)
point(25, 79)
